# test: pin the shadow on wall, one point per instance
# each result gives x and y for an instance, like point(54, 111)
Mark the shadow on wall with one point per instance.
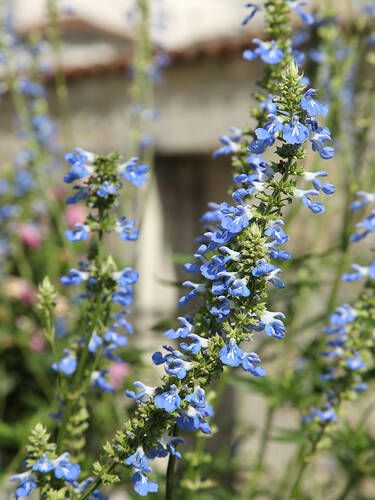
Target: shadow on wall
point(186, 183)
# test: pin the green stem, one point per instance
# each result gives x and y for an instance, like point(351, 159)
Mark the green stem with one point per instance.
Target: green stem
point(61, 86)
point(95, 484)
point(78, 376)
point(351, 483)
point(303, 461)
point(251, 488)
point(170, 474)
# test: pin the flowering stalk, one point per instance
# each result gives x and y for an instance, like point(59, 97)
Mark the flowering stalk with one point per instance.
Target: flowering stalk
point(108, 291)
point(234, 260)
point(334, 57)
point(348, 350)
point(277, 55)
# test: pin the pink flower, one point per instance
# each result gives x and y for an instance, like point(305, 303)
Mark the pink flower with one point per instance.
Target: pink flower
point(30, 235)
point(75, 214)
point(28, 295)
point(37, 343)
point(19, 289)
point(117, 373)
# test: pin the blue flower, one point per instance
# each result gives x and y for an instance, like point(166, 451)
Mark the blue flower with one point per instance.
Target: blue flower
point(258, 146)
point(181, 332)
point(144, 395)
point(134, 173)
point(368, 224)
point(197, 344)
point(170, 443)
point(122, 321)
point(248, 364)
point(44, 127)
point(23, 181)
point(355, 363)
point(269, 52)
point(327, 188)
point(27, 484)
point(106, 189)
point(81, 194)
point(113, 336)
point(95, 342)
point(360, 272)
point(80, 233)
point(342, 315)
point(279, 254)
point(30, 88)
point(142, 485)
point(98, 381)
point(67, 365)
point(95, 495)
point(239, 288)
point(360, 387)
point(218, 287)
point(66, 470)
point(370, 10)
point(175, 362)
point(178, 368)
point(197, 288)
point(317, 207)
point(81, 162)
point(299, 57)
point(221, 236)
point(75, 277)
point(327, 376)
point(364, 199)
point(43, 465)
point(221, 311)
point(231, 143)
point(295, 132)
point(318, 136)
point(273, 327)
point(212, 269)
point(268, 105)
point(123, 296)
point(275, 280)
point(138, 460)
point(233, 255)
point(326, 415)
point(253, 9)
point(197, 398)
point(194, 418)
point(311, 105)
point(235, 218)
point(231, 354)
point(125, 228)
point(262, 268)
point(306, 17)
point(126, 277)
point(213, 215)
point(318, 55)
point(169, 400)
point(276, 232)
point(271, 130)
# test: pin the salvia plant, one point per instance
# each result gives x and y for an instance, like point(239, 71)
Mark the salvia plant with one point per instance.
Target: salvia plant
point(229, 300)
